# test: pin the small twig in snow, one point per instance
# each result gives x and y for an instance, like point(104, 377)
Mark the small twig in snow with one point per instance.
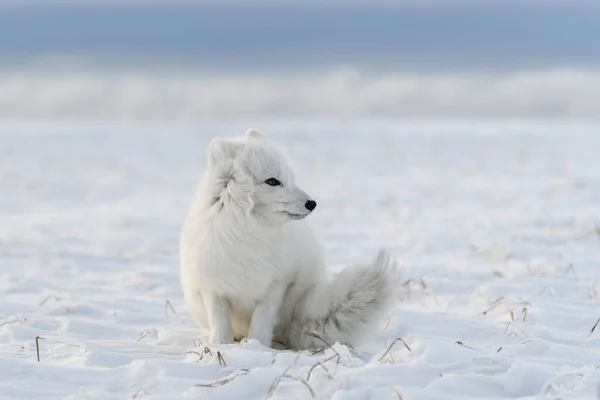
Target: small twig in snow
point(302, 381)
point(327, 345)
point(397, 393)
point(71, 344)
point(205, 351)
point(516, 326)
point(146, 333)
point(571, 269)
point(460, 343)
point(139, 395)
point(493, 305)
point(37, 346)
point(594, 327)
point(169, 306)
point(278, 379)
point(387, 352)
point(220, 358)
point(386, 325)
point(524, 312)
point(200, 355)
point(13, 321)
point(322, 365)
point(225, 380)
point(56, 298)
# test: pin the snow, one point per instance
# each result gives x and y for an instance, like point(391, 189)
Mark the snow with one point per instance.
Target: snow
point(195, 94)
point(494, 226)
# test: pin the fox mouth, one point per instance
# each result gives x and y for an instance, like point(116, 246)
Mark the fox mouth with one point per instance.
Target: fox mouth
point(295, 216)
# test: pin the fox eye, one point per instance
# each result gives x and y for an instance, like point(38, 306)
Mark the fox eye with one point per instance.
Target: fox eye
point(272, 182)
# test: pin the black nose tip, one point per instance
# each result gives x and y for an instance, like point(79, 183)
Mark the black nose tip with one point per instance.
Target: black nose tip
point(311, 204)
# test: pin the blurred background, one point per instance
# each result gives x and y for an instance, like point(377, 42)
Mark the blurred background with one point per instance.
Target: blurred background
point(226, 61)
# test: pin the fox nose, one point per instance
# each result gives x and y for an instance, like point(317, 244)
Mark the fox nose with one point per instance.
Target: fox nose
point(310, 205)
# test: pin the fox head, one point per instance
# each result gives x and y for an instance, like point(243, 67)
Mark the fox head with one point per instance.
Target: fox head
point(251, 174)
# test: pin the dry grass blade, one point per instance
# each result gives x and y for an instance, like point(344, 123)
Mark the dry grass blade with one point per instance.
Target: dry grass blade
point(145, 334)
point(386, 325)
point(319, 350)
point(322, 365)
point(387, 352)
point(225, 380)
point(594, 327)
point(200, 355)
point(56, 298)
point(276, 382)
point(498, 300)
point(493, 305)
point(524, 312)
point(206, 350)
point(273, 387)
point(571, 269)
point(169, 306)
point(71, 344)
point(139, 395)
point(327, 345)
point(302, 381)
point(353, 351)
point(460, 343)
point(515, 326)
point(397, 393)
point(221, 359)
point(13, 321)
point(37, 346)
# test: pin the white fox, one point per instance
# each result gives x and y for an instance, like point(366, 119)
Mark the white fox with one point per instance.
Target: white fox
point(251, 269)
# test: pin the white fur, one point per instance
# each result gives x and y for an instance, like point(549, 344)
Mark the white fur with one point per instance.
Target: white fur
point(251, 268)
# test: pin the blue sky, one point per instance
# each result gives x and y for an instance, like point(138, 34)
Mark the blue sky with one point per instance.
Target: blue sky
point(490, 35)
point(135, 60)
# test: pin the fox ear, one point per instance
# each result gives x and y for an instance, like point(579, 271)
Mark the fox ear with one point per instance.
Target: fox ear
point(221, 149)
point(253, 134)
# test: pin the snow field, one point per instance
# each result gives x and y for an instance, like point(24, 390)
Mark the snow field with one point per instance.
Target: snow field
point(495, 227)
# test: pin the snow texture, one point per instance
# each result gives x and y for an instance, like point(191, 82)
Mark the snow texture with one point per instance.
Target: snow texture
point(495, 227)
point(348, 93)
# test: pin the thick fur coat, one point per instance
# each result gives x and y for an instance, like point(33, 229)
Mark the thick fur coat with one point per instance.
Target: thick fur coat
point(251, 268)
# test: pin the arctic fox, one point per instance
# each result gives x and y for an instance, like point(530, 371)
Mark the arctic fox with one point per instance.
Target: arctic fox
point(251, 269)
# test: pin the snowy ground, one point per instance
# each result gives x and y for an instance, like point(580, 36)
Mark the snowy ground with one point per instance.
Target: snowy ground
point(495, 228)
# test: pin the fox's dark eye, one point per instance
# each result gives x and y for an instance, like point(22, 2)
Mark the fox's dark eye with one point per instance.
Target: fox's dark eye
point(272, 182)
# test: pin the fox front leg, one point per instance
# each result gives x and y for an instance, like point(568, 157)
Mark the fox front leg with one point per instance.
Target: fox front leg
point(218, 319)
point(264, 317)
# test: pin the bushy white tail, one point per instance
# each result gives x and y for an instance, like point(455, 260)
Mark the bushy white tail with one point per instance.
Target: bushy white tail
point(346, 309)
